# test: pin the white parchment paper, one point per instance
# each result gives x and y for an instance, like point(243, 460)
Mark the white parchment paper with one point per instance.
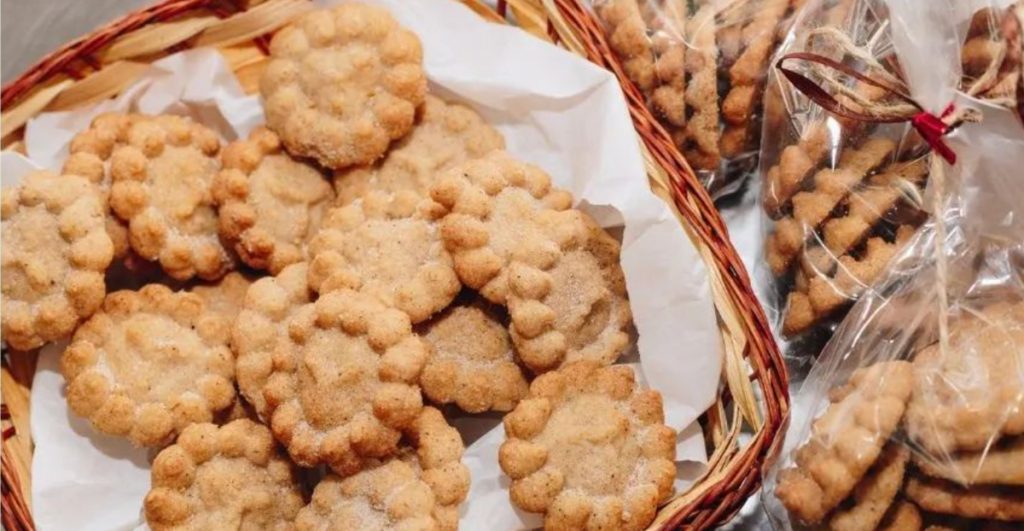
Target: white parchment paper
point(555, 110)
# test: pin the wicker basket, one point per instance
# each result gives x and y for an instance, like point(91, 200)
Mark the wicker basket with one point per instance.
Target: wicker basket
point(753, 398)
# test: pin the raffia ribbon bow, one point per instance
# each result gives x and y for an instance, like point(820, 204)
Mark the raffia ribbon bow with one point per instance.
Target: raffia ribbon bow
point(932, 128)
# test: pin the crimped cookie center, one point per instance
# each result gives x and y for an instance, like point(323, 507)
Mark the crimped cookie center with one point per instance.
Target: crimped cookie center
point(513, 220)
point(338, 378)
point(40, 263)
point(387, 253)
point(589, 441)
point(580, 299)
point(151, 357)
point(180, 178)
point(469, 337)
point(282, 209)
point(355, 66)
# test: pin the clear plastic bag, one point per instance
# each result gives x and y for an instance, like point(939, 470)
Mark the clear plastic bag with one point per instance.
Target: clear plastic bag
point(913, 414)
point(701, 65)
point(842, 196)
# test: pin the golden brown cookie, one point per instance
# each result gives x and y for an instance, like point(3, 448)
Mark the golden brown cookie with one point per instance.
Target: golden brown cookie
point(627, 35)
point(342, 83)
point(846, 440)
point(969, 397)
point(349, 387)
point(270, 204)
point(162, 169)
point(471, 362)
point(446, 134)
point(388, 247)
point(260, 336)
point(873, 496)
point(1000, 464)
point(990, 502)
point(589, 449)
point(573, 309)
point(89, 156)
point(500, 209)
point(700, 142)
point(901, 516)
point(420, 488)
point(149, 364)
point(55, 251)
point(225, 296)
point(227, 477)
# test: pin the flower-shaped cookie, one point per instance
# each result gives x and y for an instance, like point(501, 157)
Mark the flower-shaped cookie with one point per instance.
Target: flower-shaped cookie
point(342, 83)
point(388, 247)
point(227, 477)
point(471, 360)
point(574, 308)
point(89, 156)
point(972, 394)
point(260, 337)
point(418, 489)
point(161, 174)
point(270, 204)
point(149, 364)
point(225, 296)
point(589, 449)
point(446, 134)
point(349, 387)
point(499, 210)
point(55, 251)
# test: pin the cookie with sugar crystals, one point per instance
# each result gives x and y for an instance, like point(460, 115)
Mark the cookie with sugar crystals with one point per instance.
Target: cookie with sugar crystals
point(55, 251)
point(162, 169)
point(499, 210)
point(1000, 464)
point(348, 388)
point(271, 205)
point(573, 309)
point(973, 394)
point(420, 488)
point(225, 296)
point(471, 362)
point(149, 364)
point(389, 247)
point(988, 502)
point(873, 496)
point(589, 449)
point(901, 516)
point(89, 157)
point(445, 134)
point(226, 477)
point(343, 83)
point(260, 336)
point(846, 440)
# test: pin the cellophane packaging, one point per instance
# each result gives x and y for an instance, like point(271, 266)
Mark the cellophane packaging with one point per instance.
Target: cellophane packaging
point(701, 67)
point(842, 196)
point(913, 414)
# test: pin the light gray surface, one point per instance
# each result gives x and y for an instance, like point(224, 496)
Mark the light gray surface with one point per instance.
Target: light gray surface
point(29, 29)
point(33, 28)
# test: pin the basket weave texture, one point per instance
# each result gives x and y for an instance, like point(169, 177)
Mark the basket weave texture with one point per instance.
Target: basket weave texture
point(753, 398)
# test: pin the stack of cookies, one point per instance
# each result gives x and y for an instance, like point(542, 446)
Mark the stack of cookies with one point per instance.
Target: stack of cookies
point(935, 442)
point(844, 196)
point(303, 294)
point(702, 68)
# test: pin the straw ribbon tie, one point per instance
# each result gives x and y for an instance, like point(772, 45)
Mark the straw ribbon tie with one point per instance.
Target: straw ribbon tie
point(932, 128)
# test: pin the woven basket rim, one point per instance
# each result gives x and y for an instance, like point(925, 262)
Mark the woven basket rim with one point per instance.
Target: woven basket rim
point(734, 472)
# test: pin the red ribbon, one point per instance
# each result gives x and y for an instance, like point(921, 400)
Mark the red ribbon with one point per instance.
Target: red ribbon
point(931, 128)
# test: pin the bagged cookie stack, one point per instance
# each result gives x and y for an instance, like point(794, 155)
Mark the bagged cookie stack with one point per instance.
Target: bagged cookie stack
point(321, 298)
point(702, 67)
point(843, 183)
point(913, 415)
